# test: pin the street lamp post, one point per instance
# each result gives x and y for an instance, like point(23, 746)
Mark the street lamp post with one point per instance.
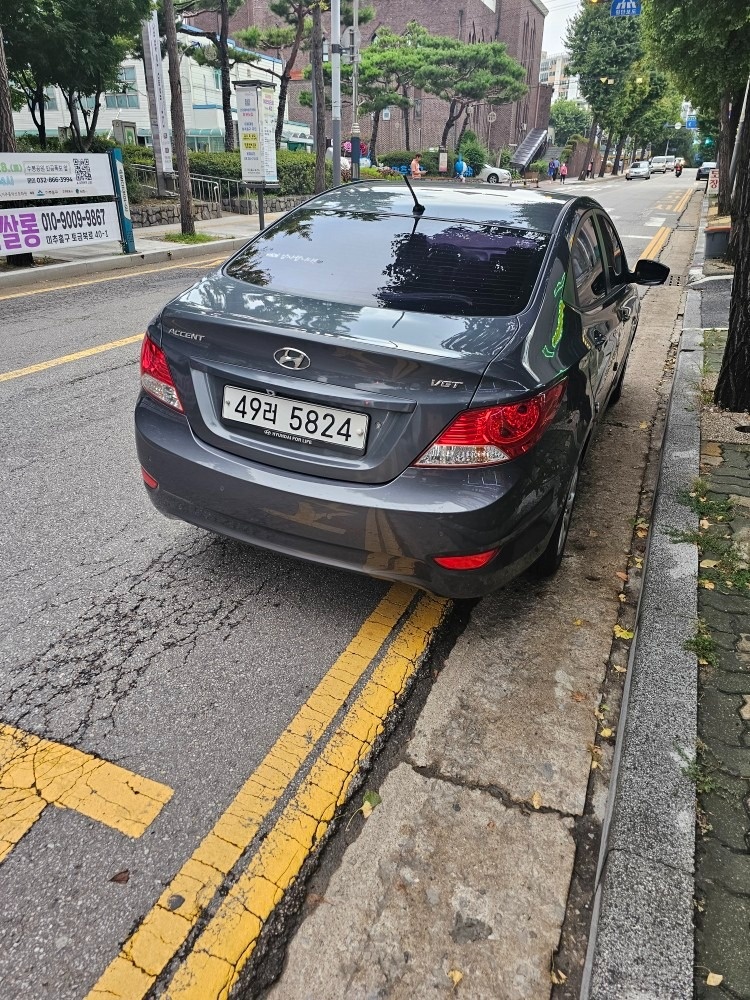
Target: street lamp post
point(677, 126)
point(356, 152)
point(336, 89)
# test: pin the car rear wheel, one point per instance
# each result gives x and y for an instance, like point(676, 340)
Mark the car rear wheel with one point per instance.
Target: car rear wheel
point(549, 561)
point(616, 394)
point(493, 179)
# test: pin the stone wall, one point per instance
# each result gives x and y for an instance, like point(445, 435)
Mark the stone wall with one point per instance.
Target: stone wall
point(167, 213)
point(271, 203)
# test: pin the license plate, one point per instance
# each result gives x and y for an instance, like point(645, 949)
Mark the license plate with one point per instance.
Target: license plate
point(292, 420)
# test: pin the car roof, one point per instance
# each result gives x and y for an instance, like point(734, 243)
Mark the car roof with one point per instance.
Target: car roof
point(514, 207)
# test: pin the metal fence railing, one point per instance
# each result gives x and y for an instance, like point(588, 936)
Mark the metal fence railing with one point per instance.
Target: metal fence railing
point(205, 189)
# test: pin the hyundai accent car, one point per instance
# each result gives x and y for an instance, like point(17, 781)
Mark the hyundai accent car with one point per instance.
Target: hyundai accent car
point(402, 383)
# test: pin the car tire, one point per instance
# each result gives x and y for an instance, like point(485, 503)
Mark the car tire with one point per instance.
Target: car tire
point(493, 178)
point(549, 561)
point(616, 394)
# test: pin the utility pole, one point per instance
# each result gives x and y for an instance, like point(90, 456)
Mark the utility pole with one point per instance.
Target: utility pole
point(178, 122)
point(336, 89)
point(355, 81)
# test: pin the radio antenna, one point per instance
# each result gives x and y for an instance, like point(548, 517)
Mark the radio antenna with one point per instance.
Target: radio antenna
point(418, 209)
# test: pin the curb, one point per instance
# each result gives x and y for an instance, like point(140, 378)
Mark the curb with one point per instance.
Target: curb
point(122, 262)
point(641, 942)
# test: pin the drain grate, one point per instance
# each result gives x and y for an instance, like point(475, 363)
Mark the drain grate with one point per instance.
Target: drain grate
point(675, 279)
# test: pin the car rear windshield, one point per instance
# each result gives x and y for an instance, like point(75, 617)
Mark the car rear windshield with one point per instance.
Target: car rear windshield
point(396, 262)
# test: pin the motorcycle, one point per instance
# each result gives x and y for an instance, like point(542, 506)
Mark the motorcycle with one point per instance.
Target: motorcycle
point(678, 170)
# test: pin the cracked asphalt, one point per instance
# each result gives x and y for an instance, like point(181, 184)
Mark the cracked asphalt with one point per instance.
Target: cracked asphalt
point(183, 658)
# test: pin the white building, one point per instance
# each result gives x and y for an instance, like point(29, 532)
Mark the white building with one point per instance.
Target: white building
point(201, 98)
point(553, 70)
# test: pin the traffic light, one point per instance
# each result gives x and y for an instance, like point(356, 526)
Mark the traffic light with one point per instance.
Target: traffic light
point(708, 142)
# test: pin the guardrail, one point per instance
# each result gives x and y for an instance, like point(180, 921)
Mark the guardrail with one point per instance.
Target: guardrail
point(205, 189)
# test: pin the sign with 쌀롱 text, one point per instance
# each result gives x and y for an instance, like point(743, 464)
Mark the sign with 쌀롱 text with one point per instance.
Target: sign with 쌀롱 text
point(41, 229)
point(36, 176)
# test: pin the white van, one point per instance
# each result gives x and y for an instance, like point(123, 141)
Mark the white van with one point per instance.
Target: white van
point(660, 164)
point(670, 162)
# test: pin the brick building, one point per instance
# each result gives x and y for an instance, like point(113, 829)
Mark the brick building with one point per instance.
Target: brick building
point(517, 23)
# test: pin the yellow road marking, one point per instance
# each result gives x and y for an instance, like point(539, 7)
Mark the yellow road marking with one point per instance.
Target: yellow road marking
point(130, 273)
point(164, 929)
point(657, 243)
point(35, 773)
point(54, 362)
point(683, 202)
point(223, 948)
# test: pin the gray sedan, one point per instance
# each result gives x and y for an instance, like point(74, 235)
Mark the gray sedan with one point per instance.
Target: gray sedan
point(403, 387)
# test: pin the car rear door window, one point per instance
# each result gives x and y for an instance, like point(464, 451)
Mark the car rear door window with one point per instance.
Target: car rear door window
point(588, 270)
point(396, 262)
point(613, 252)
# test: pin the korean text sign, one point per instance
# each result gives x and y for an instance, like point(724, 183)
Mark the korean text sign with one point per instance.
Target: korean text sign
point(256, 125)
point(49, 228)
point(37, 176)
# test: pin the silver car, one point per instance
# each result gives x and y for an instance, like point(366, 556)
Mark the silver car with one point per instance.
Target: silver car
point(639, 168)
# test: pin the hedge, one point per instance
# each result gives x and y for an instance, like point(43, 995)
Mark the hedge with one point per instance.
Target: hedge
point(429, 161)
point(296, 170)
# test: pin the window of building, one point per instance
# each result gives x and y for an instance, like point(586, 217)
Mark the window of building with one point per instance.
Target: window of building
point(127, 96)
point(417, 108)
point(50, 99)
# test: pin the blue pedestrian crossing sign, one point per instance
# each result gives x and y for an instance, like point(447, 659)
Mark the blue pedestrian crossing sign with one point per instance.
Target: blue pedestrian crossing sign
point(625, 8)
point(692, 121)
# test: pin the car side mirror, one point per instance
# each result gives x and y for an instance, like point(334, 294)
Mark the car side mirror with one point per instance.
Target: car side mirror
point(650, 272)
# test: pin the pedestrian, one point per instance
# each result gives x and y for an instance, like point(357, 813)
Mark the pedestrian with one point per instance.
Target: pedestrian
point(460, 169)
point(563, 172)
point(556, 165)
point(551, 170)
point(416, 170)
point(590, 169)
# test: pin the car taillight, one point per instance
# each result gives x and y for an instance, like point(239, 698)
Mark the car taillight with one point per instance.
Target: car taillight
point(156, 377)
point(474, 561)
point(495, 433)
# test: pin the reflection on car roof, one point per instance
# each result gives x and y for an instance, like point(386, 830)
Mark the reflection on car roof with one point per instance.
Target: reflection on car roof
point(513, 208)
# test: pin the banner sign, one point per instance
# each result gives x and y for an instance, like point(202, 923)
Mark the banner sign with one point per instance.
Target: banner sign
point(713, 181)
point(158, 107)
point(41, 229)
point(625, 8)
point(32, 176)
point(256, 124)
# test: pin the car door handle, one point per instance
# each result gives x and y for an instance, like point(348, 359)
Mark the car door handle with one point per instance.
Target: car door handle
point(624, 312)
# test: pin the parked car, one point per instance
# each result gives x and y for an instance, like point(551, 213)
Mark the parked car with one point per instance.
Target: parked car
point(660, 164)
point(638, 168)
point(417, 412)
point(494, 175)
point(704, 168)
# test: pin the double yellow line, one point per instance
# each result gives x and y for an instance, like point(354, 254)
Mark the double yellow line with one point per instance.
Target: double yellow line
point(656, 245)
point(214, 960)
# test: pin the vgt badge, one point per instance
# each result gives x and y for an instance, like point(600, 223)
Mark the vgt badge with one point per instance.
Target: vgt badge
point(290, 357)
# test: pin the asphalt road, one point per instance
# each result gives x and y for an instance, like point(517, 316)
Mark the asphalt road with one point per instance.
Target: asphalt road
point(179, 656)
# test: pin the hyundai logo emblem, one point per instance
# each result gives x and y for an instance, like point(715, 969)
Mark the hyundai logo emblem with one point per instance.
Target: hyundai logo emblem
point(290, 357)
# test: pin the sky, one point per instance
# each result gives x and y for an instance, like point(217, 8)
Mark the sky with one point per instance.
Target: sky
point(555, 23)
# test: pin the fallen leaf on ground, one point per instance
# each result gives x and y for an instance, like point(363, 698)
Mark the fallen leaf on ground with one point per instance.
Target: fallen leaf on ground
point(455, 976)
point(121, 877)
point(704, 522)
point(557, 976)
point(578, 696)
point(622, 598)
point(369, 801)
point(605, 733)
point(638, 563)
point(622, 633)
point(579, 621)
point(641, 532)
point(536, 800)
point(709, 563)
point(714, 979)
point(622, 576)
point(728, 583)
point(620, 670)
point(594, 750)
point(707, 584)
point(643, 425)
point(594, 764)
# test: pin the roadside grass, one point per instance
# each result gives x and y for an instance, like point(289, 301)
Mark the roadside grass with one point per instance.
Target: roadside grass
point(698, 769)
point(702, 644)
point(721, 562)
point(189, 238)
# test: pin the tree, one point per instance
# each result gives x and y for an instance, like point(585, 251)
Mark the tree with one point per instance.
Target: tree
point(179, 140)
point(218, 55)
point(7, 132)
point(709, 56)
point(319, 91)
point(603, 50)
point(462, 74)
point(568, 118)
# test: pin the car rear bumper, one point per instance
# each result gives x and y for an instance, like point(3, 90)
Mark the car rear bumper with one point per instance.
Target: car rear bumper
point(391, 531)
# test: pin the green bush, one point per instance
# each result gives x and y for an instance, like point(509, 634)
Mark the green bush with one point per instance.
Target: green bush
point(504, 159)
point(473, 152)
point(296, 170)
point(429, 161)
point(138, 154)
point(538, 167)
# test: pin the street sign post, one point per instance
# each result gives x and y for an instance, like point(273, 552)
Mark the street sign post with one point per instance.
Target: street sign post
point(256, 104)
point(692, 121)
point(625, 8)
point(713, 182)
